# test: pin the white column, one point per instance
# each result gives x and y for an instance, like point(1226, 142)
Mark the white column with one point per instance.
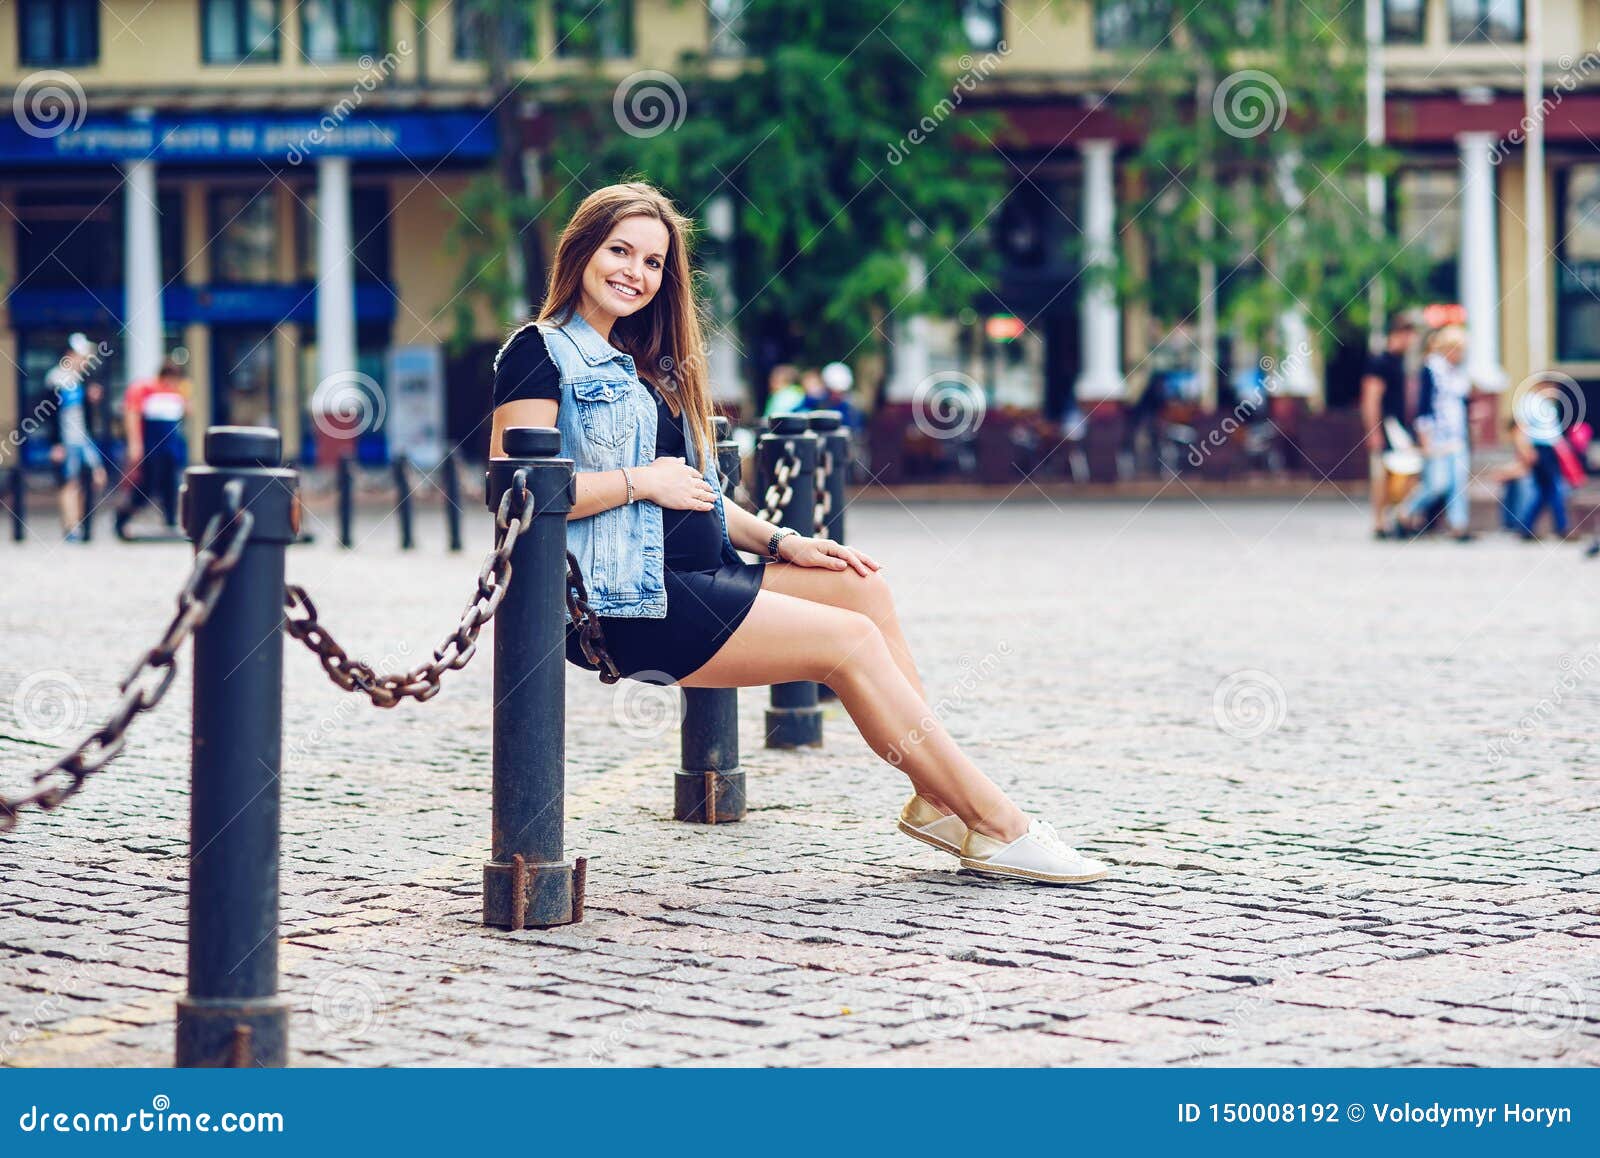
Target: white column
point(1479, 270)
point(722, 353)
point(1377, 195)
point(1099, 317)
point(1295, 375)
point(336, 287)
point(1533, 190)
point(142, 277)
point(911, 340)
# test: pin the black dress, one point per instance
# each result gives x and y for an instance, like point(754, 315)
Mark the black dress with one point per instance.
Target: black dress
point(707, 599)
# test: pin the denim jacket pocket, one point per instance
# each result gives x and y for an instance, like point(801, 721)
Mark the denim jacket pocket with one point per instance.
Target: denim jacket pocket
point(606, 411)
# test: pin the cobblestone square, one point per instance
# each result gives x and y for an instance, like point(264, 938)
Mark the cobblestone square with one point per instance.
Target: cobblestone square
point(1349, 789)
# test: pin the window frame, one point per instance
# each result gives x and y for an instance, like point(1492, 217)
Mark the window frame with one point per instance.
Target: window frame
point(384, 12)
point(244, 55)
point(1478, 33)
point(998, 11)
point(458, 33)
point(57, 11)
point(629, 14)
point(1421, 36)
point(1102, 44)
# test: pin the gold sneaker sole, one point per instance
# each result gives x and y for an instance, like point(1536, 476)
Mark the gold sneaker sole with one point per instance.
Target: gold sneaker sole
point(986, 869)
point(941, 845)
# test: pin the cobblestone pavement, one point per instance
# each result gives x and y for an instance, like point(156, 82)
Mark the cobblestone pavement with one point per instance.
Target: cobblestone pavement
point(1349, 788)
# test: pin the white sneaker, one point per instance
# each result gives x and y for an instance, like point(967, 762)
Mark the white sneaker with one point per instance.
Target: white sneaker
point(1036, 855)
point(920, 820)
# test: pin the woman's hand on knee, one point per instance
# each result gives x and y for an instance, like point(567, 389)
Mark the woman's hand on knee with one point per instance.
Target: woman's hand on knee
point(825, 553)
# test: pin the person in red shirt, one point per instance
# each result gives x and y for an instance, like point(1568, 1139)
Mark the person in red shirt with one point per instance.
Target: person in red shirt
point(154, 410)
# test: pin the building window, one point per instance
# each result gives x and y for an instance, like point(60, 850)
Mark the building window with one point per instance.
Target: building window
point(1485, 21)
point(1131, 23)
point(333, 30)
point(56, 33)
point(243, 372)
point(726, 20)
point(239, 31)
point(369, 229)
point(244, 236)
point(1405, 21)
point(1578, 265)
point(594, 28)
point(983, 22)
point(1428, 222)
point(68, 239)
point(473, 18)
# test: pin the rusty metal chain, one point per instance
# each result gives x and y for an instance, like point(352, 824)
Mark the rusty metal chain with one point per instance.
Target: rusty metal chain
point(780, 490)
point(422, 683)
point(221, 545)
point(824, 500)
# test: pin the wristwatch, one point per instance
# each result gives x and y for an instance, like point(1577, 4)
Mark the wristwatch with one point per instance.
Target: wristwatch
point(778, 536)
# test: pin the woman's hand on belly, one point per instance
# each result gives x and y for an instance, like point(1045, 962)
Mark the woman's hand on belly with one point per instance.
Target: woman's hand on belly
point(674, 484)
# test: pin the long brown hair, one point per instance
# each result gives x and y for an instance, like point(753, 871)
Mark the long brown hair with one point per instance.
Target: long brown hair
point(665, 338)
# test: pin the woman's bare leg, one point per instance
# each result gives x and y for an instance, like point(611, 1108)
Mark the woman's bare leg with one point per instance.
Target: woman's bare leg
point(868, 594)
point(786, 638)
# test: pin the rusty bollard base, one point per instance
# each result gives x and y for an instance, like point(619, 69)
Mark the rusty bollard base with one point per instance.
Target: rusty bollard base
point(527, 895)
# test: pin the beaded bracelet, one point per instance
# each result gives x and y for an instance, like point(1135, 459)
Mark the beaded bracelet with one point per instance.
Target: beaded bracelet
point(628, 479)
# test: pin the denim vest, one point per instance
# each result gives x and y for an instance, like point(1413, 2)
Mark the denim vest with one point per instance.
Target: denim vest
point(607, 419)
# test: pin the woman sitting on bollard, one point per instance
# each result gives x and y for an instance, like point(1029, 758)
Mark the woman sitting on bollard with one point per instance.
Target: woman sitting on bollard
point(616, 361)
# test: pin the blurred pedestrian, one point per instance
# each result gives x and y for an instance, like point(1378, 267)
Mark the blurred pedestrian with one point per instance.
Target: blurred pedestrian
point(1383, 397)
point(154, 410)
point(1442, 431)
point(784, 393)
point(838, 380)
point(1541, 442)
point(75, 451)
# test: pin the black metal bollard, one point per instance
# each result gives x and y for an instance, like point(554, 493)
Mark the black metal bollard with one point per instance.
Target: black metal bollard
point(834, 447)
point(527, 880)
point(793, 719)
point(232, 1015)
point(17, 484)
point(402, 487)
point(452, 500)
point(709, 785)
point(347, 502)
point(87, 494)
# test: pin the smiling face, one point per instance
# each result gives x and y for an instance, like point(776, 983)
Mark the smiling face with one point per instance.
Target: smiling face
point(624, 274)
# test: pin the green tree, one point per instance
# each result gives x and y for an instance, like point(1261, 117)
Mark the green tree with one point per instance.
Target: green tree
point(844, 141)
point(1253, 159)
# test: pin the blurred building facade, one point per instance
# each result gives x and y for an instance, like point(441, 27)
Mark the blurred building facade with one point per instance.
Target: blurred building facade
point(284, 174)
